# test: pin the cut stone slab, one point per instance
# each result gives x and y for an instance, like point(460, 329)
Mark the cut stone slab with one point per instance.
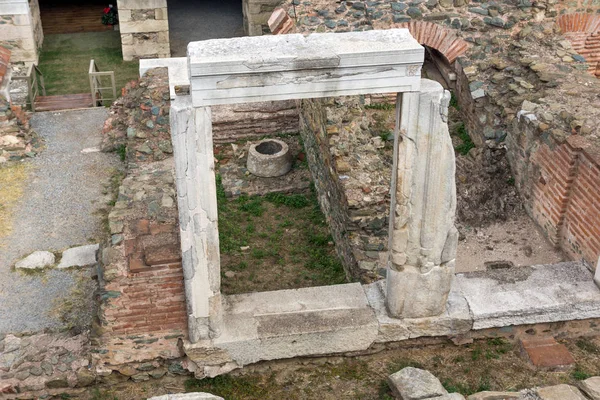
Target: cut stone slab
point(415, 384)
point(547, 353)
point(591, 387)
point(294, 66)
point(494, 396)
point(288, 323)
point(530, 295)
point(560, 392)
point(36, 260)
point(456, 320)
point(187, 396)
point(79, 256)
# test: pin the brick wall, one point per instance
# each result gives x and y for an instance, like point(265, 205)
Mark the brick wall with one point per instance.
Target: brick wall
point(142, 311)
point(583, 31)
point(559, 181)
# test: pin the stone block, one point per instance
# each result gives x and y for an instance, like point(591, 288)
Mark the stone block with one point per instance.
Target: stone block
point(149, 25)
point(282, 67)
point(79, 256)
point(161, 13)
point(187, 396)
point(124, 16)
point(494, 396)
point(36, 260)
point(140, 4)
point(591, 387)
point(530, 295)
point(547, 353)
point(292, 323)
point(415, 384)
point(456, 320)
point(560, 392)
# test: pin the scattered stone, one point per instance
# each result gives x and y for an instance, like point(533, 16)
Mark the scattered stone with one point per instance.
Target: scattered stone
point(494, 396)
point(591, 387)
point(81, 256)
point(36, 260)
point(560, 392)
point(415, 384)
point(187, 396)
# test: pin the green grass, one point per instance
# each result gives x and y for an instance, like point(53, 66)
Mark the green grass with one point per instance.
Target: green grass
point(579, 374)
point(278, 241)
point(65, 61)
point(229, 387)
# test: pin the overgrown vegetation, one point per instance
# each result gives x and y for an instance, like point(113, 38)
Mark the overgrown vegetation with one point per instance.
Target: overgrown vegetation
point(65, 61)
point(12, 181)
point(278, 241)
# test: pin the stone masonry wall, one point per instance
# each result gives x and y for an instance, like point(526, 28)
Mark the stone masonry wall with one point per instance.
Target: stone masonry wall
point(20, 29)
point(352, 170)
point(144, 27)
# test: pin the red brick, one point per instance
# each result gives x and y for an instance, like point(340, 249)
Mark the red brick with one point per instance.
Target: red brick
point(547, 353)
point(163, 255)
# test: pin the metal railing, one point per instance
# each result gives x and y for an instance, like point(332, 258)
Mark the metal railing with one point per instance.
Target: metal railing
point(99, 92)
point(35, 84)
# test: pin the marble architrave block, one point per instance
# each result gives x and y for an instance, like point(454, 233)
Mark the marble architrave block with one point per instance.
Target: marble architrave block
point(250, 69)
point(423, 237)
point(191, 130)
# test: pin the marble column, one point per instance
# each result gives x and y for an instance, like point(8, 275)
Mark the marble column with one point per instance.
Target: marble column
point(191, 130)
point(423, 237)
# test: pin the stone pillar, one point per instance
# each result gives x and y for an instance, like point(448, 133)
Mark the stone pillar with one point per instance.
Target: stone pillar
point(191, 130)
point(423, 237)
point(144, 27)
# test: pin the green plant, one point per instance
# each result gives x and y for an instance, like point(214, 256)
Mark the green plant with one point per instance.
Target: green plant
point(231, 388)
point(579, 374)
point(454, 101)
point(122, 152)
point(380, 106)
point(476, 354)
point(467, 144)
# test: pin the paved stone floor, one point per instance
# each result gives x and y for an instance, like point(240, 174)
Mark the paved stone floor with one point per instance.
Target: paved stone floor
point(200, 20)
point(56, 211)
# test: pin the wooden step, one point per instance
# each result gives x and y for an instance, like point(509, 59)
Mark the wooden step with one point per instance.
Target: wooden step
point(63, 102)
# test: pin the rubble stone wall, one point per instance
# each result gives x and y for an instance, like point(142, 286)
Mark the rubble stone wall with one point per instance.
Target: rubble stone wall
point(352, 172)
point(144, 27)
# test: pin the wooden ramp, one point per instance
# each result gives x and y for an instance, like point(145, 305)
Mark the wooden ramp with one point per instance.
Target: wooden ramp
point(63, 102)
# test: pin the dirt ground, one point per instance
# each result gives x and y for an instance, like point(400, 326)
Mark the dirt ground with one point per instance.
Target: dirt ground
point(517, 241)
point(493, 364)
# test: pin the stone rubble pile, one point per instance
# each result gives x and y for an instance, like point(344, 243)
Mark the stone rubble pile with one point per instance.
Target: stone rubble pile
point(417, 384)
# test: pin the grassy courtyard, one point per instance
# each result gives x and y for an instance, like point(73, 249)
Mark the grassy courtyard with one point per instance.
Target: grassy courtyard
point(275, 242)
point(65, 61)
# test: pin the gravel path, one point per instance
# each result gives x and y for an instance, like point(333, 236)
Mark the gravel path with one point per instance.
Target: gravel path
point(57, 211)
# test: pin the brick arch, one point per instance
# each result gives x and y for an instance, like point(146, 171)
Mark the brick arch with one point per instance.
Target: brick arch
point(437, 37)
point(583, 31)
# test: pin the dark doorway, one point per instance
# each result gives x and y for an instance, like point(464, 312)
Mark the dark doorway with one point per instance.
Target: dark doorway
point(191, 21)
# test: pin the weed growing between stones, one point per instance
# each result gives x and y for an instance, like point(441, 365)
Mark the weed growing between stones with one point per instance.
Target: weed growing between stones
point(579, 374)
point(278, 241)
point(467, 144)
